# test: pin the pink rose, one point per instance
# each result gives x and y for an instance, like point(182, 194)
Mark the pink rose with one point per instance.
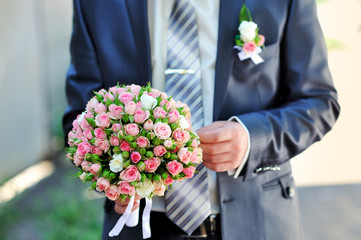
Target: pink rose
point(148, 125)
point(96, 150)
point(139, 105)
point(174, 167)
point(76, 124)
point(102, 92)
point(85, 165)
point(102, 184)
point(82, 176)
point(159, 112)
point(194, 157)
point(112, 192)
point(162, 130)
point(77, 161)
point(167, 103)
point(159, 188)
point(102, 120)
point(113, 90)
point(261, 40)
point(150, 165)
point(142, 142)
point(132, 129)
point(115, 111)
point(168, 180)
point(184, 155)
point(194, 143)
point(95, 168)
point(92, 104)
point(126, 188)
point(120, 90)
point(135, 89)
point(135, 157)
point(84, 124)
point(116, 127)
point(83, 148)
point(99, 133)
point(124, 146)
point(182, 136)
point(154, 93)
point(189, 171)
point(88, 134)
point(125, 97)
point(159, 150)
point(114, 141)
point(173, 116)
point(140, 116)
point(109, 96)
point(130, 108)
point(249, 47)
point(130, 174)
point(102, 144)
point(100, 108)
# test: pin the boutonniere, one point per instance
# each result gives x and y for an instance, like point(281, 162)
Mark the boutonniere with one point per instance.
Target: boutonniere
point(248, 42)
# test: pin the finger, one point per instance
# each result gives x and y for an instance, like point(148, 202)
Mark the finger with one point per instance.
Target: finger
point(216, 124)
point(219, 158)
point(220, 167)
point(214, 135)
point(119, 201)
point(135, 206)
point(137, 197)
point(120, 209)
point(221, 147)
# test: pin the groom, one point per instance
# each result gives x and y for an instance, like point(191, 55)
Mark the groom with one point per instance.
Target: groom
point(278, 108)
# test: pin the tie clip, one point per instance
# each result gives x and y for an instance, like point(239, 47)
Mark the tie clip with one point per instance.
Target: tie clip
point(170, 71)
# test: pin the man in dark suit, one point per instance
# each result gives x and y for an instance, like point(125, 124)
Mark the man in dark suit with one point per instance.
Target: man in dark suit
point(285, 103)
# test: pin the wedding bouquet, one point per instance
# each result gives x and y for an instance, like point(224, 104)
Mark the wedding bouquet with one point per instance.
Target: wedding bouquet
point(133, 140)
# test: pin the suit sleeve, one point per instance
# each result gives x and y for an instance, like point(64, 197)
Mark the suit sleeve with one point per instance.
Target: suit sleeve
point(83, 75)
point(309, 105)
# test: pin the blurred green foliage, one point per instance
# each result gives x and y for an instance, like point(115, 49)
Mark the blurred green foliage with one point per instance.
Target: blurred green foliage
point(57, 208)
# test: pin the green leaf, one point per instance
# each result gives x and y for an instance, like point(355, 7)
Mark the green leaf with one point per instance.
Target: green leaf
point(245, 14)
point(91, 121)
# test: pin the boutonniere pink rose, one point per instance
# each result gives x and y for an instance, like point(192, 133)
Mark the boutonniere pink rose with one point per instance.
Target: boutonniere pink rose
point(248, 42)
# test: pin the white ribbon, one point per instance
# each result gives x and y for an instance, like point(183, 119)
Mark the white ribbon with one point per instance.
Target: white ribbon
point(254, 56)
point(121, 221)
point(146, 218)
point(131, 219)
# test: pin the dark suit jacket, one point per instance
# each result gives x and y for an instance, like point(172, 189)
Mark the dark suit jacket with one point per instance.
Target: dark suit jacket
point(287, 103)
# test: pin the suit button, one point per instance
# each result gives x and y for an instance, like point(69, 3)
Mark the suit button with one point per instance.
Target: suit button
point(291, 192)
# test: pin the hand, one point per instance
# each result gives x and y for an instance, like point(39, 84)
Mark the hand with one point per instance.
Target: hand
point(224, 144)
point(121, 205)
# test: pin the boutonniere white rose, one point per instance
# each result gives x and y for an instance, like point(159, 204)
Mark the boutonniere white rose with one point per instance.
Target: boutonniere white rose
point(248, 42)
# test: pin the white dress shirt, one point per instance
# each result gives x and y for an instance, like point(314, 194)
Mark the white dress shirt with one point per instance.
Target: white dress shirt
point(207, 17)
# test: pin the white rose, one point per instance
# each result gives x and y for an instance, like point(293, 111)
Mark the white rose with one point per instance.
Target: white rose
point(80, 119)
point(148, 102)
point(247, 30)
point(144, 189)
point(116, 164)
point(183, 122)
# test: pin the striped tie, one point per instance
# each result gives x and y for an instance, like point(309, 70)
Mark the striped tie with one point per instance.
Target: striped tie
point(187, 204)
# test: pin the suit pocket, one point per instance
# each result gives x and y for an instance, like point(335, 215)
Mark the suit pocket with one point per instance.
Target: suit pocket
point(284, 184)
point(280, 209)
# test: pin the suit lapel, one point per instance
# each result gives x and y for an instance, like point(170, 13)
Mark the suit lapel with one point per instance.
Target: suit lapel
point(228, 27)
point(138, 17)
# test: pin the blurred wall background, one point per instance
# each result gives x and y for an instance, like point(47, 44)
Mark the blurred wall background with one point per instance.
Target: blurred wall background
point(34, 56)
